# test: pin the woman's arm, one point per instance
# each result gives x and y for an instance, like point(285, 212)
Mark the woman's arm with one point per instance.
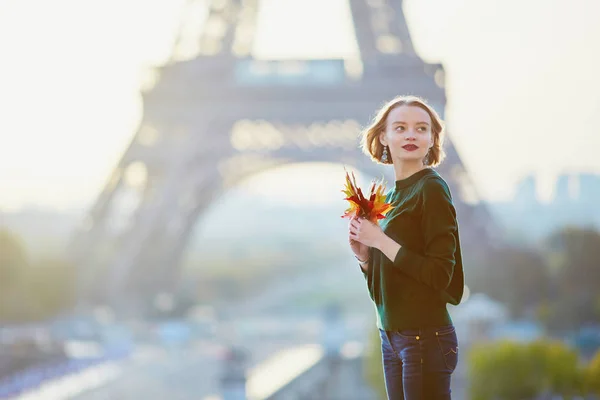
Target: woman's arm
point(388, 246)
point(439, 225)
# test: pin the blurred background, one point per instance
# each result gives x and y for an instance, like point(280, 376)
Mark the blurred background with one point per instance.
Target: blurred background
point(170, 193)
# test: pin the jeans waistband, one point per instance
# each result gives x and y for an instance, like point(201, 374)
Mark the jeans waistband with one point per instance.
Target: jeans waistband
point(426, 331)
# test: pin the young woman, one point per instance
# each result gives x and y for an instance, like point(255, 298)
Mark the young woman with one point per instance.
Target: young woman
point(412, 261)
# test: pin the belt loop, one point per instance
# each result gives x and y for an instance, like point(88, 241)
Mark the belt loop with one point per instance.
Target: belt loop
point(421, 349)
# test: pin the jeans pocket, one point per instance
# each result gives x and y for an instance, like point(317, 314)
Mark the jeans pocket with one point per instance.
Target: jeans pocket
point(408, 334)
point(448, 343)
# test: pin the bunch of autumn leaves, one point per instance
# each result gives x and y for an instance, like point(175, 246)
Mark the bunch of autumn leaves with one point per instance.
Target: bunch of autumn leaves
point(372, 208)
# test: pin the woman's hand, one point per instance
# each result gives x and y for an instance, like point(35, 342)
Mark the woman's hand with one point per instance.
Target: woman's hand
point(359, 249)
point(366, 232)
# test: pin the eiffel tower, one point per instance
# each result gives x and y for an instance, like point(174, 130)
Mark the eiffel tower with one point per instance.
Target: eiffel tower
point(221, 116)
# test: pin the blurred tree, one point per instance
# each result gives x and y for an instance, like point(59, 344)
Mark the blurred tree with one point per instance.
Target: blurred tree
point(30, 291)
point(574, 253)
point(544, 312)
point(515, 276)
point(503, 371)
point(13, 263)
point(13, 258)
point(592, 381)
point(51, 282)
point(561, 367)
point(512, 371)
point(558, 288)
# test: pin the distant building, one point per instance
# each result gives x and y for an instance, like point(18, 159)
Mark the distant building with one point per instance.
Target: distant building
point(575, 202)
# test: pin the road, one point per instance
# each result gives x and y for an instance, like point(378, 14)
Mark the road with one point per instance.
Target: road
point(178, 374)
point(194, 372)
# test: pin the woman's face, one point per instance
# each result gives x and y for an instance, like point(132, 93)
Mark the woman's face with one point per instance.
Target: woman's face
point(408, 134)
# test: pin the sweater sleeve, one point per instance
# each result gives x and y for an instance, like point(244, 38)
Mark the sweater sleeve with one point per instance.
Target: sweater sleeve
point(439, 227)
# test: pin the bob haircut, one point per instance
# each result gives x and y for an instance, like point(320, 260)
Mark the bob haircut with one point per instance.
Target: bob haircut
point(372, 147)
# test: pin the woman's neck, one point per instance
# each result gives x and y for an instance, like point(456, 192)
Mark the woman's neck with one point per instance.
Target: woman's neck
point(406, 169)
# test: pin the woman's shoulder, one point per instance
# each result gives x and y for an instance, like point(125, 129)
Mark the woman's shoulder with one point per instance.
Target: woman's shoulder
point(433, 183)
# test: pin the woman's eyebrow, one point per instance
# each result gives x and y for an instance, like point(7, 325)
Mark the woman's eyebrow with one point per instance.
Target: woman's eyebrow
point(418, 123)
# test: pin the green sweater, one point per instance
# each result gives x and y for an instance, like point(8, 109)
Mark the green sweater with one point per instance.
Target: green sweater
point(412, 290)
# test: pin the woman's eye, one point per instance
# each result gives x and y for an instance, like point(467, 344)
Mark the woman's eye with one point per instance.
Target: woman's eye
point(400, 128)
point(422, 129)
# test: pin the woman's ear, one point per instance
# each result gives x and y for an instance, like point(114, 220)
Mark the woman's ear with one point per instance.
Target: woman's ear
point(382, 139)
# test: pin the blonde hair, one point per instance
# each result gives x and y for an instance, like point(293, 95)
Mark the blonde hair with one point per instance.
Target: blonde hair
point(372, 147)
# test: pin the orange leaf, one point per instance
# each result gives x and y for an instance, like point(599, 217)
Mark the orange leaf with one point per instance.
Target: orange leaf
point(373, 207)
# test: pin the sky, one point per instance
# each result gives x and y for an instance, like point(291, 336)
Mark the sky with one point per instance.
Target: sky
point(522, 80)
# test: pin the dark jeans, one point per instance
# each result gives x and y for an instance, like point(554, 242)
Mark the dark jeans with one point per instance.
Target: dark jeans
point(418, 363)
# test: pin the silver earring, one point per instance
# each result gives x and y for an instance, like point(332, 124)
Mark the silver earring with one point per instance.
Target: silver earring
point(384, 156)
point(426, 159)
